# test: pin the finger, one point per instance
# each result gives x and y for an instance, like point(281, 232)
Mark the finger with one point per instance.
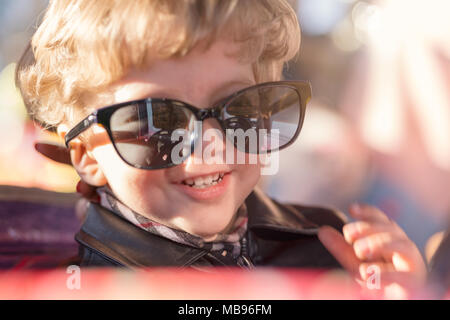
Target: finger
point(370, 269)
point(403, 254)
point(335, 243)
point(368, 213)
point(360, 229)
point(54, 152)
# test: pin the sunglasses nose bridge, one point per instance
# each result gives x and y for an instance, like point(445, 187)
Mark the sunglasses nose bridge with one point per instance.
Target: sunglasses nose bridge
point(214, 112)
point(204, 114)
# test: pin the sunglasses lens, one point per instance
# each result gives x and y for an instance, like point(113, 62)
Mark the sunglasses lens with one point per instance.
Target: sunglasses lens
point(143, 133)
point(269, 116)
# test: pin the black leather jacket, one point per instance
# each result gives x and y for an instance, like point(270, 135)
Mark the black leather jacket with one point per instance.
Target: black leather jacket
point(278, 235)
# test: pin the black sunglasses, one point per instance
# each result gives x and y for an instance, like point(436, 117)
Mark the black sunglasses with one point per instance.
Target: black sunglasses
point(141, 131)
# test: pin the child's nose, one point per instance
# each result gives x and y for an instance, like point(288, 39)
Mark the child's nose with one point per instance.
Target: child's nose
point(211, 148)
point(213, 141)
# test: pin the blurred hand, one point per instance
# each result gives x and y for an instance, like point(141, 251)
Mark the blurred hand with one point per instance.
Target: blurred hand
point(375, 240)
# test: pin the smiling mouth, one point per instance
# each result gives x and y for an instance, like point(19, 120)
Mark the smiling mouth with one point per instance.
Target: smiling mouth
point(205, 181)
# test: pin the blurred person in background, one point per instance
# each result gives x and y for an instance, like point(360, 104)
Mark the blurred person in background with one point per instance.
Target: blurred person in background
point(385, 82)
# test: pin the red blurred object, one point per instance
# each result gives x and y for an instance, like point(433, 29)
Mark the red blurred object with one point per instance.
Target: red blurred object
point(188, 284)
point(172, 283)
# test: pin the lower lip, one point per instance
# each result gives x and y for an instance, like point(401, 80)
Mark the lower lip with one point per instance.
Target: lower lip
point(208, 193)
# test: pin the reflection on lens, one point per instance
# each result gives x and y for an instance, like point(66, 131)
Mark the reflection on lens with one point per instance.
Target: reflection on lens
point(276, 109)
point(142, 132)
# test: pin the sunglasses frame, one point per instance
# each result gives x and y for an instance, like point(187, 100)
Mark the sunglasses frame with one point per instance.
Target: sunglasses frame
point(103, 115)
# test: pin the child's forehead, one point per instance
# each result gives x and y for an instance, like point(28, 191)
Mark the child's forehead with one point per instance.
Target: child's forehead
point(200, 76)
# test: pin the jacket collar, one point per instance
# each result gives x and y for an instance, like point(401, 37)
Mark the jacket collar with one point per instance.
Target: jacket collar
point(125, 244)
point(266, 214)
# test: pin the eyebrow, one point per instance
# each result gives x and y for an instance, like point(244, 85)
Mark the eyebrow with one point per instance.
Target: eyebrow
point(229, 84)
point(215, 96)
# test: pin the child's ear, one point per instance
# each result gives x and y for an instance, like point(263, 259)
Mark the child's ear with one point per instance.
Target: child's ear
point(83, 160)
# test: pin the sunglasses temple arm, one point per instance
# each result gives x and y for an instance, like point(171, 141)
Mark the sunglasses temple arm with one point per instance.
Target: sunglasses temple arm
point(82, 126)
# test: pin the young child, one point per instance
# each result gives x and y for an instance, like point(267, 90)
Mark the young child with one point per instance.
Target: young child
point(117, 78)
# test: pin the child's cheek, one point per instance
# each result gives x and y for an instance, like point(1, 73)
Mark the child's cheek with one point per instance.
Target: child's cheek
point(121, 177)
point(109, 161)
point(118, 172)
point(135, 187)
point(248, 176)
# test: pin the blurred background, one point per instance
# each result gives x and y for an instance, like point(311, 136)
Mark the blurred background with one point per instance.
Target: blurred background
point(376, 131)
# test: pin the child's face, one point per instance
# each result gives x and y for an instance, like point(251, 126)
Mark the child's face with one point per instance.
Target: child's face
point(200, 79)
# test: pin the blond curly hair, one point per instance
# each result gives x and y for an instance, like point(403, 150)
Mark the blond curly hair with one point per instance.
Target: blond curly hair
point(82, 46)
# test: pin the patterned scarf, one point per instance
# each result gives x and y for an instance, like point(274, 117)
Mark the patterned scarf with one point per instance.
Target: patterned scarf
point(230, 240)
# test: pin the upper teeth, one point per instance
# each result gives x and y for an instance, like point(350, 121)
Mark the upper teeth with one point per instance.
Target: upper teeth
point(204, 181)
